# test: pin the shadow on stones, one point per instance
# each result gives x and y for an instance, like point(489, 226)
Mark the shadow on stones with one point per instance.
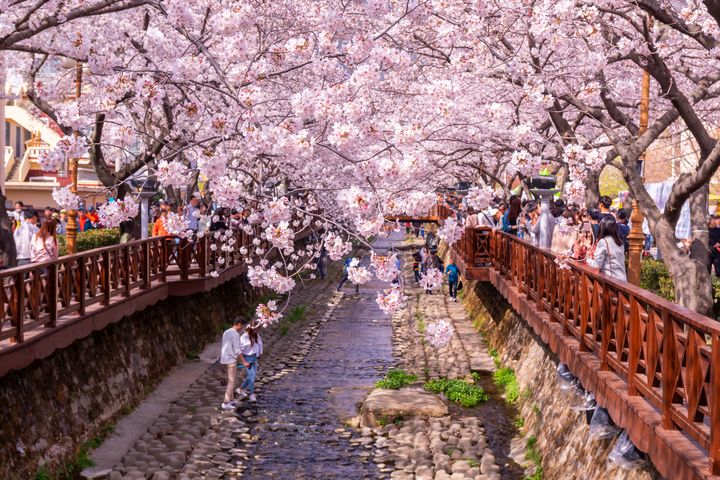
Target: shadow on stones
point(497, 419)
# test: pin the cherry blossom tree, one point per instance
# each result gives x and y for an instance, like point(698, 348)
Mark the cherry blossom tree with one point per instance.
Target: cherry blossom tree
point(335, 114)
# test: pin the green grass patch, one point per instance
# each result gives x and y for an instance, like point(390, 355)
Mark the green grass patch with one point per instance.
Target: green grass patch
point(396, 379)
point(296, 313)
point(459, 391)
point(420, 320)
point(533, 455)
point(505, 377)
point(284, 328)
point(192, 355)
point(519, 422)
point(495, 356)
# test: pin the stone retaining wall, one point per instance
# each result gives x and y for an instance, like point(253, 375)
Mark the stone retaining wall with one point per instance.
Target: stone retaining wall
point(562, 433)
point(55, 404)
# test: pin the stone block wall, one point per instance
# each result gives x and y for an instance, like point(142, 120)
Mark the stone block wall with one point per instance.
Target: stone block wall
point(562, 433)
point(51, 407)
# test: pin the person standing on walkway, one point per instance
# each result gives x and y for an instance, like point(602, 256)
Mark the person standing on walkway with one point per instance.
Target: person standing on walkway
point(609, 254)
point(424, 254)
point(251, 347)
point(453, 278)
point(345, 276)
point(230, 355)
point(44, 243)
point(417, 260)
point(398, 267)
point(192, 213)
point(321, 261)
point(23, 239)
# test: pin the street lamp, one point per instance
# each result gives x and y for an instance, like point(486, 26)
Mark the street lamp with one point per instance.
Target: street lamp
point(72, 225)
point(636, 237)
point(543, 186)
point(146, 188)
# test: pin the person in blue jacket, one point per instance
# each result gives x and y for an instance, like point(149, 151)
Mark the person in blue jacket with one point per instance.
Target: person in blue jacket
point(453, 278)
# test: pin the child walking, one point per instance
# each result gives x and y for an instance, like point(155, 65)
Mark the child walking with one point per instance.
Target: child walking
point(251, 348)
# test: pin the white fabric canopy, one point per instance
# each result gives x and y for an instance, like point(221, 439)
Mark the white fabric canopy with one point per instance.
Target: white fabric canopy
point(660, 192)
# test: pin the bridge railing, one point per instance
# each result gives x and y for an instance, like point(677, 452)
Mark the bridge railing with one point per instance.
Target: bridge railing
point(34, 298)
point(667, 355)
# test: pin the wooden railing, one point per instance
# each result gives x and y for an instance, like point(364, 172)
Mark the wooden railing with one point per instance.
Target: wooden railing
point(664, 353)
point(38, 299)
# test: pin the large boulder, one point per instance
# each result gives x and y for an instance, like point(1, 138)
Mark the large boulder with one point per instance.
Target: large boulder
point(384, 406)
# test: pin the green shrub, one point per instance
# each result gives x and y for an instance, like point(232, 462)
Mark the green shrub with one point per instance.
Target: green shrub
point(505, 377)
point(396, 379)
point(654, 277)
point(459, 391)
point(91, 239)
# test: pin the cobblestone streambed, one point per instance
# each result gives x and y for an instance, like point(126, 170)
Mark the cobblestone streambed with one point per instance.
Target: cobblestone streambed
point(312, 378)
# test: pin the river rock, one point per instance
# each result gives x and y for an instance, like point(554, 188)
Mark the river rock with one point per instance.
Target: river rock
point(391, 404)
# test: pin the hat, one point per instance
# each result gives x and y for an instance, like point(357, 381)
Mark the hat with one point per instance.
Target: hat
point(55, 216)
point(493, 211)
point(63, 211)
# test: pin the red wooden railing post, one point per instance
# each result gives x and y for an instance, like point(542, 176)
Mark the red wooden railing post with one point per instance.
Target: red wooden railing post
point(126, 270)
point(669, 370)
point(202, 255)
point(469, 253)
point(183, 259)
point(714, 405)
point(606, 327)
point(82, 285)
point(106, 277)
point(634, 345)
point(52, 295)
point(164, 259)
point(20, 307)
point(146, 264)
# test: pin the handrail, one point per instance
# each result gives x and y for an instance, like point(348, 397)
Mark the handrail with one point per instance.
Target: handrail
point(663, 352)
point(36, 299)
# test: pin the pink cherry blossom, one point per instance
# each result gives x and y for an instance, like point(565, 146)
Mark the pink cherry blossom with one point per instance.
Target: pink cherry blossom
point(439, 333)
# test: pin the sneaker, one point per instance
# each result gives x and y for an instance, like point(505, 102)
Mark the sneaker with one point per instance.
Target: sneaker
point(229, 406)
point(241, 393)
point(252, 398)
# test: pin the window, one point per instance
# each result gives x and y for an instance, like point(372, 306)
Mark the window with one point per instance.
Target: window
point(18, 141)
point(7, 133)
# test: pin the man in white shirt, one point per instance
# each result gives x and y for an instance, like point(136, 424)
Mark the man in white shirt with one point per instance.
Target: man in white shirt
point(23, 239)
point(229, 355)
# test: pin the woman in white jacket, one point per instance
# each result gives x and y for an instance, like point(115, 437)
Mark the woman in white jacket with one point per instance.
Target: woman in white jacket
point(609, 254)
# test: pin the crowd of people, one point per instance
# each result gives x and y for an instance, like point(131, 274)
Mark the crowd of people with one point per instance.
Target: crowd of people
point(597, 235)
point(195, 213)
point(35, 232)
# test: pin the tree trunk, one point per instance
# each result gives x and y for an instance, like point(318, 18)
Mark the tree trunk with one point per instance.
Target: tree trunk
point(693, 288)
point(592, 189)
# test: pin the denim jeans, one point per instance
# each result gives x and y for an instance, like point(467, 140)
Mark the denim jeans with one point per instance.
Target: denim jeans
point(345, 279)
point(321, 267)
point(249, 382)
point(453, 288)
